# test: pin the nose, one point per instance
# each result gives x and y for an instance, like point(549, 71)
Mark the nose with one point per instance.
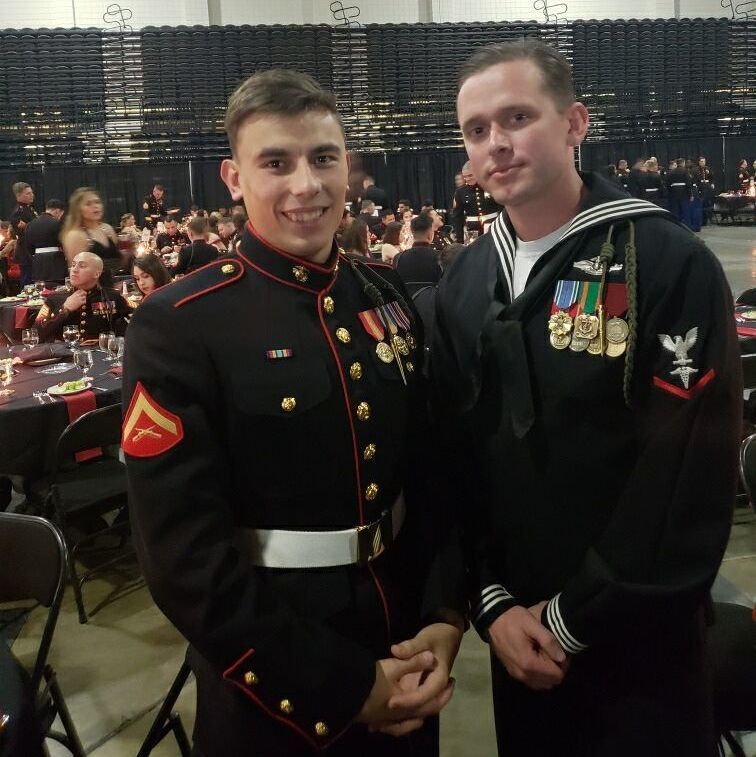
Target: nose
point(304, 180)
point(498, 140)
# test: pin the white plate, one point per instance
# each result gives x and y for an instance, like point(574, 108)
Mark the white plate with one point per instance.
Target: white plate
point(59, 391)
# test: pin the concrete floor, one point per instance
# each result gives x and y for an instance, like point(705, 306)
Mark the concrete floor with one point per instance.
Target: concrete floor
point(116, 669)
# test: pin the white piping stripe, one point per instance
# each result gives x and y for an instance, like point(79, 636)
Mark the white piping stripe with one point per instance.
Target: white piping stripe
point(490, 605)
point(606, 216)
point(498, 597)
point(560, 629)
point(501, 593)
point(491, 588)
point(501, 249)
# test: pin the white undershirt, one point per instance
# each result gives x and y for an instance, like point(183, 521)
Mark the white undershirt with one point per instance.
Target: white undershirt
point(528, 253)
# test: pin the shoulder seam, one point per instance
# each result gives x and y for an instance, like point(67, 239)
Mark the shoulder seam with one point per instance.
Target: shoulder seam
point(238, 273)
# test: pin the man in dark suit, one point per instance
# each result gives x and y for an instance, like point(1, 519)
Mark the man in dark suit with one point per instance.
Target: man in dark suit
point(43, 244)
point(23, 214)
point(376, 195)
point(418, 266)
point(198, 252)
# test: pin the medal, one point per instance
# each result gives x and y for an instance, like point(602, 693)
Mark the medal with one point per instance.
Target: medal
point(411, 343)
point(579, 343)
point(586, 326)
point(560, 323)
point(617, 330)
point(401, 345)
point(384, 352)
point(559, 341)
point(595, 346)
point(615, 350)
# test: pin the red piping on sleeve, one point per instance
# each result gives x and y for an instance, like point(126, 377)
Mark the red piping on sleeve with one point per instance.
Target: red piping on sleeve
point(685, 394)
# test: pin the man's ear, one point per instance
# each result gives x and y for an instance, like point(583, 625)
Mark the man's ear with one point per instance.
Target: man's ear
point(577, 115)
point(229, 173)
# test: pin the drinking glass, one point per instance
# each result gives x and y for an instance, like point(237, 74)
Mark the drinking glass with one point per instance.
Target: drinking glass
point(40, 287)
point(83, 361)
point(29, 290)
point(116, 346)
point(6, 376)
point(68, 284)
point(30, 338)
point(103, 340)
point(71, 335)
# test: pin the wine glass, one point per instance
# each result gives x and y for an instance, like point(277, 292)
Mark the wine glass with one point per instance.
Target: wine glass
point(69, 287)
point(40, 287)
point(6, 376)
point(116, 346)
point(103, 340)
point(29, 289)
point(83, 361)
point(30, 338)
point(71, 335)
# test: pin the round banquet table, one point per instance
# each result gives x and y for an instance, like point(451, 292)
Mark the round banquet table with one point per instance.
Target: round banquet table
point(29, 428)
point(15, 316)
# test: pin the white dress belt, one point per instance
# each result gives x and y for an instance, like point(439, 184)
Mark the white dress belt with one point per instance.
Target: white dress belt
point(279, 548)
point(487, 217)
point(678, 184)
point(42, 250)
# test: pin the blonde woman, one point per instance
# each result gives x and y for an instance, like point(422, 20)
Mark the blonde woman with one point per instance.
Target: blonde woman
point(85, 231)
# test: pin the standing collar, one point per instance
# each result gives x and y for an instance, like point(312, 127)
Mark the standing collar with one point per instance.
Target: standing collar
point(285, 268)
point(604, 203)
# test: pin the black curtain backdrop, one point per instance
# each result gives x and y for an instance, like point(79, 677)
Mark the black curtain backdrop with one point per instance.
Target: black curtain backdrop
point(8, 178)
point(736, 149)
point(210, 192)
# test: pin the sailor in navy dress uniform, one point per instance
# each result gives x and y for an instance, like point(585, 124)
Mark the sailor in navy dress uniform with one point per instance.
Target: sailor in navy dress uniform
point(282, 494)
point(595, 419)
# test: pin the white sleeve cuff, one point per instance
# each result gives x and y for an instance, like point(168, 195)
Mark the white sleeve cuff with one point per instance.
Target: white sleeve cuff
point(557, 626)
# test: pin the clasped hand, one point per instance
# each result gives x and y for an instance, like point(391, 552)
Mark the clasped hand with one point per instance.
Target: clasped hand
point(415, 683)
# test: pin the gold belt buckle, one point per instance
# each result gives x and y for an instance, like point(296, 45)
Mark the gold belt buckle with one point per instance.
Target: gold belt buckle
point(372, 537)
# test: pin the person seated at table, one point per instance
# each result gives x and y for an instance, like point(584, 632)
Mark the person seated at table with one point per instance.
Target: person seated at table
point(92, 307)
point(239, 217)
point(171, 238)
point(7, 249)
point(84, 230)
point(226, 233)
point(198, 252)
point(418, 266)
point(744, 175)
point(129, 228)
point(149, 274)
point(390, 242)
point(356, 239)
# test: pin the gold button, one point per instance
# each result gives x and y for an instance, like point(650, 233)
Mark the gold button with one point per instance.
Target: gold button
point(328, 305)
point(371, 492)
point(355, 371)
point(300, 274)
point(288, 404)
point(286, 707)
point(363, 411)
point(369, 452)
point(343, 336)
point(250, 678)
point(321, 729)
point(409, 366)
point(228, 268)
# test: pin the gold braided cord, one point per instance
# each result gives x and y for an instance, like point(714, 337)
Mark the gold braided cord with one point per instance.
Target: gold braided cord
point(631, 282)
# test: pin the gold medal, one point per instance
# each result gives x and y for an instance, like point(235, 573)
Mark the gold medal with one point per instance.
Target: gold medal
point(411, 343)
point(559, 341)
point(594, 346)
point(560, 323)
point(384, 352)
point(586, 326)
point(617, 331)
point(401, 345)
point(614, 349)
point(579, 343)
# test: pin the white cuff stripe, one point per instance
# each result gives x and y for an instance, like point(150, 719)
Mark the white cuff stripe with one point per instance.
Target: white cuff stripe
point(491, 588)
point(494, 595)
point(490, 605)
point(566, 639)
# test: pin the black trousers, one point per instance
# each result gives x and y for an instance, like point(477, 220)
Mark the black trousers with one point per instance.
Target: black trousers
point(649, 699)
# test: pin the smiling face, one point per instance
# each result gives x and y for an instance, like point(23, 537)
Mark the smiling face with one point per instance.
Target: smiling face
point(521, 147)
point(292, 173)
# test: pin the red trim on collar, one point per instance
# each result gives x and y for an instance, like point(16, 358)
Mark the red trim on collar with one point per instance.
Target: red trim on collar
point(239, 272)
point(685, 394)
point(299, 261)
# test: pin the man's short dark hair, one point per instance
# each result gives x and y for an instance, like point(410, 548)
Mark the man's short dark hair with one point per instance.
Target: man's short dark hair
point(387, 212)
point(367, 205)
point(277, 92)
point(55, 205)
point(198, 225)
point(554, 67)
point(240, 219)
point(421, 224)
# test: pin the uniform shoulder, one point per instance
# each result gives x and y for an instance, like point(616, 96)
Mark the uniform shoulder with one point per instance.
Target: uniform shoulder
point(204, 281)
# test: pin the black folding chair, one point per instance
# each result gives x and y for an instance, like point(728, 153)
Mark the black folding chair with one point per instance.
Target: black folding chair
point(167, 721)
point(84, 490)
point(32, 567)
point(748, 468)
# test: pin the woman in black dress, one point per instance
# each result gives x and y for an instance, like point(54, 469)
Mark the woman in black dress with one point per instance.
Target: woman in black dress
point(84, 229)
